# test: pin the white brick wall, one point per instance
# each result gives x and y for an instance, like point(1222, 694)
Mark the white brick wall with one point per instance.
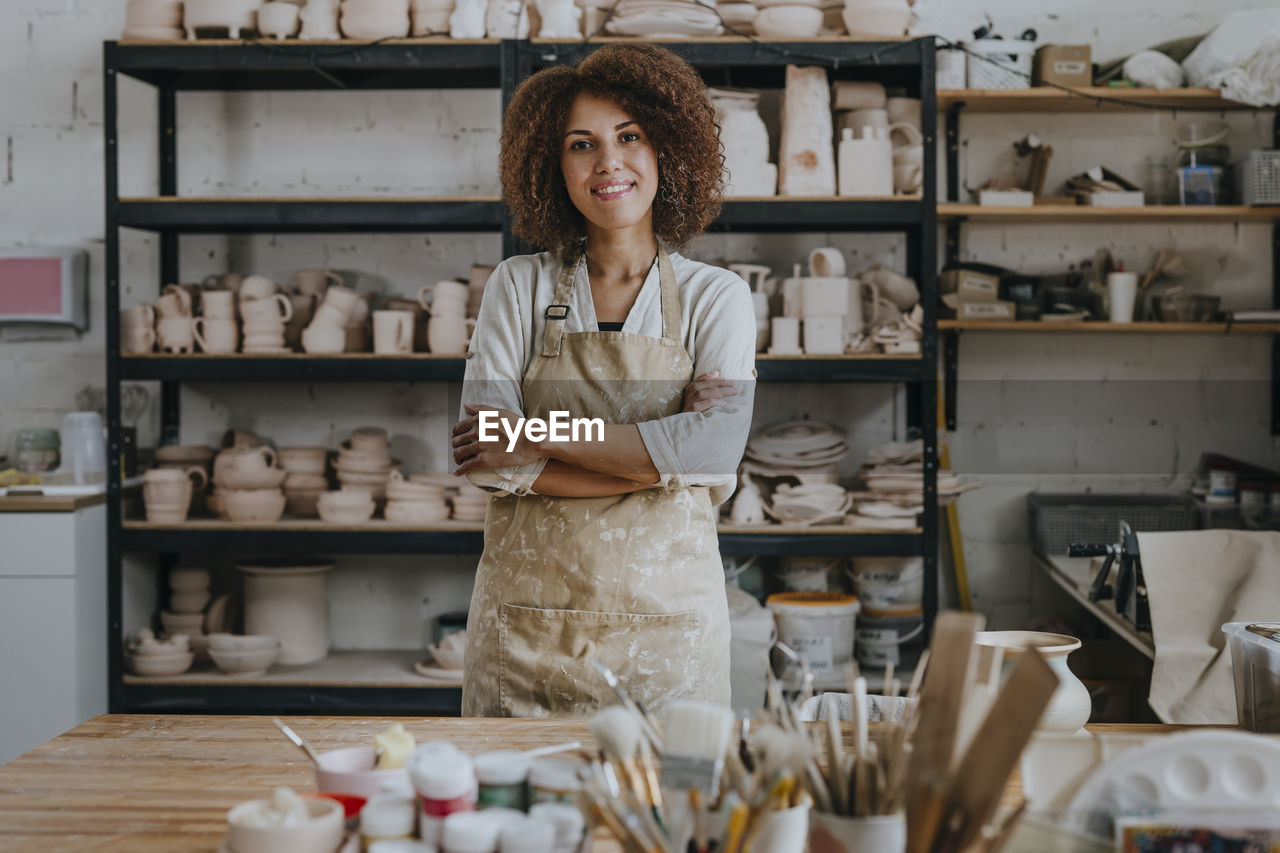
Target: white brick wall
point(1029, 407)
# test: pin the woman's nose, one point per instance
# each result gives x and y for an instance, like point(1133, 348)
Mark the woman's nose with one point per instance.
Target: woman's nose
point(608, 158)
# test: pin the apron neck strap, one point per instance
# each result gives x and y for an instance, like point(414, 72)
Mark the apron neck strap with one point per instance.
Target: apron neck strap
point(558, 311)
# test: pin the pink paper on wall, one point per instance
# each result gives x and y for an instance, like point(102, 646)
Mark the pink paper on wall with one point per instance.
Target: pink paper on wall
point(30, 286)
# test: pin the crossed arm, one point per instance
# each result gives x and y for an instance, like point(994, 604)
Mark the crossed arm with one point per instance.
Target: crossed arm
point(618, 465)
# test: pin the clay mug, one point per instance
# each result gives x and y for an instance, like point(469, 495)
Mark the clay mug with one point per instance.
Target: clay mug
point(854, 320)
point(277, 19)
point(214, 334)
point(314, 282)
point(218, 304)
point(447, 306)
point(186, 294)
point(912, 151)
point(193, 475)
point(894, 286)
point(826, 262)
point(173, 305)
point(450, 291)
point(138, 340)
point(827, 295)
point(355, 337)
point(141, 316)
point(304, 305)
point(263, 340)
point(232, 281)
point(908, 178)
point(174, 334)
point(244, 460)
point(328, 315)
point(278, 307)
point(344, 299)
point(392, 332)
point(256, 287)
point(903, 111)
point(363, 306)
point(447, 335)
point(479, 279)
point(323, 338)
point(268, 325)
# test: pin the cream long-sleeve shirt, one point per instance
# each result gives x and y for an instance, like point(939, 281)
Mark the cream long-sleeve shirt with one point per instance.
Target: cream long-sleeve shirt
point(717, 329)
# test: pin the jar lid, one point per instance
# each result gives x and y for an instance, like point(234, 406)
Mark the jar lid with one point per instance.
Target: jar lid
point(440, 772)
point(812, 602)
point(502, 767)
point(470, 832)
point(556, 774)
point(567, 819)
point(388, 817)
point(527, 835)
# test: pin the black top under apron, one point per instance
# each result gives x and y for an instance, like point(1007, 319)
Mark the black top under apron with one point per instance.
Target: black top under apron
point(609, 327)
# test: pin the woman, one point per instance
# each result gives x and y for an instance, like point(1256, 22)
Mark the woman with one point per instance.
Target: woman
point(606, 549)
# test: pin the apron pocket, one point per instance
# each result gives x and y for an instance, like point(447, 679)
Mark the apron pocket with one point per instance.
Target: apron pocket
point(545, 658)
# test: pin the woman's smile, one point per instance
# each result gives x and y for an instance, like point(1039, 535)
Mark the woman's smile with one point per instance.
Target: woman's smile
point(612, 191)
point(610, 166)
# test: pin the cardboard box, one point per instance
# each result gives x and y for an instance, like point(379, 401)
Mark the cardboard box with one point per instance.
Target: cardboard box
point(1063, 65)
point(1005, 198)
point(970, 285)
point(981, 309)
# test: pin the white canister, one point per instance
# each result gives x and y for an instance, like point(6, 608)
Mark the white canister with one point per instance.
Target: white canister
point(885, 833)
point(866, 164)
point(818, 625)
point(807, 574)
point(950, 65)
point(287, 598)
point(827, 295)
point(1122, 291)
point(785, 336)
point(823, 335)
point(888, 586)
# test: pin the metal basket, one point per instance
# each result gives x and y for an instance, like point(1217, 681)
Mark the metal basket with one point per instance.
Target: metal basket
point(1258, 177)
point(1000, 64)
point(1061, 520)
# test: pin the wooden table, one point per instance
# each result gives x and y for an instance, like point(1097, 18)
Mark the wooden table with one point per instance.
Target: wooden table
point(145, 784)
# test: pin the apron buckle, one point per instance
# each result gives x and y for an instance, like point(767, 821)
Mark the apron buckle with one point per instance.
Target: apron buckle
point(557, 312)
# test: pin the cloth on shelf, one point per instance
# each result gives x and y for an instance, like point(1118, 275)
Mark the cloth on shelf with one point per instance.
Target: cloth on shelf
point(1197, 581)
point(1241, 57)
point(879, 708)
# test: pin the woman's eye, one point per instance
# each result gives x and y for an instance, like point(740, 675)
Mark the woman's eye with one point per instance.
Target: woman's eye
point(579, 145)
point(630, 137)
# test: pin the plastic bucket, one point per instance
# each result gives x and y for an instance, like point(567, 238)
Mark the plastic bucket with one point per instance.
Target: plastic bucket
point(818, 625)
point(807, 574)
point(897, 639)
point(888, 586)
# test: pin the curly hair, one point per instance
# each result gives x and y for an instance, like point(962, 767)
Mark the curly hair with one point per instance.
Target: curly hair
point(656, 88)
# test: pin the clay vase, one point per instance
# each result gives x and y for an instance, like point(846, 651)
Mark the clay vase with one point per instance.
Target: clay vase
point(286, 598)
point(1070, 706)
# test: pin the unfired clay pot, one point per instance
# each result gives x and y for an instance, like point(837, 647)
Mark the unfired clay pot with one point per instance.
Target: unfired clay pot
point(285, 597)
point(1071, 704)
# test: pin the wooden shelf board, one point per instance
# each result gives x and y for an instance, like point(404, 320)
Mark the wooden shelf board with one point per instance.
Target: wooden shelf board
point(1040, 326)
point(1050, 99)
point(295, 525)
point(1086, 213)
point(380, 199)
point(1072, 574)
point(862, 356)
point(351, 356)
point(339, 669)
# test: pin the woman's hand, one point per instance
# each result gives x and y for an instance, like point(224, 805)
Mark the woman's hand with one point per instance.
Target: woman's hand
point(472, 454)
point(707, 392)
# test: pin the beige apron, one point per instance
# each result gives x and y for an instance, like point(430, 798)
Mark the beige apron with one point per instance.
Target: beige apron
point(634, 580)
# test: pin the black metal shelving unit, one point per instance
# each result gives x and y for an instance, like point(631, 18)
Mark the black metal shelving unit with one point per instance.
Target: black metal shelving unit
point(409, 64)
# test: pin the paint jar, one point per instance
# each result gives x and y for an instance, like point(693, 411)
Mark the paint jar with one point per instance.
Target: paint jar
point(388, 817)
point(571, 826)
point(896, 639)
point(1253, 499)
point(888, 586)
point(1222, 483)
point(526, 834)
point(817, 625)
point(470, 832)
point(502, 776)
point(445, 782)
point(555, 780)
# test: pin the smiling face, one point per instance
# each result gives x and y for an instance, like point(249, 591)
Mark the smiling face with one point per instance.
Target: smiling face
point(610, 167)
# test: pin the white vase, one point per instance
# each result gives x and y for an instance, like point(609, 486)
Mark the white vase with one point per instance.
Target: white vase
point(1070, 705)
point(287, 599)
point(745, 138)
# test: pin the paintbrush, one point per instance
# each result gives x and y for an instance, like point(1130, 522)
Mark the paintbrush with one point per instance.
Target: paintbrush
point(646, 724)
point(697, 735)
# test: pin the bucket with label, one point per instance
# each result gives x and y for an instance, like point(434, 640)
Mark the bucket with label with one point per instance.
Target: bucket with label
point(897, 639)
point(888, 586)
point(807, 574)
point(818, 625)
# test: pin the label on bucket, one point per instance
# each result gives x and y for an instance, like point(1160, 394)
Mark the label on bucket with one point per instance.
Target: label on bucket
point(877, 647)
point(816, 650)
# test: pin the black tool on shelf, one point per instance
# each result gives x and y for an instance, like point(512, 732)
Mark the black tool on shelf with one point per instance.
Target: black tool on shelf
point(1129, 589)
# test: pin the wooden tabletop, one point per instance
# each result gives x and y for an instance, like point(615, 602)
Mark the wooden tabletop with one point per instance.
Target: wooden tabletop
point(146, 784)
point(44, 503)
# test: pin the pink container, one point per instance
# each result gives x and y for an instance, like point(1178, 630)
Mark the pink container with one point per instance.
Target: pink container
point(351, 771)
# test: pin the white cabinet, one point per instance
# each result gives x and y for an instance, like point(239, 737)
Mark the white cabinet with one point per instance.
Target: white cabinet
point(53, 623)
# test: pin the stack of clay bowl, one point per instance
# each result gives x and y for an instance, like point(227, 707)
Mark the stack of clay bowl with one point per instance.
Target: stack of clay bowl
point(809, 451)
point(248, 484)
point(188, 597)
point(153, 19)
point(346, 506)
point(244, 655)
point(412, 502)
point(470, 503)
point(146, 656)
point(364, 462)
point(264, 311)
point(304, 479)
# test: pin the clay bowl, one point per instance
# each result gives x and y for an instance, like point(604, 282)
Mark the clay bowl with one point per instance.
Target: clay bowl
point(158, 513)
point(446, 658)
point(184, 454)
point(368, 437)
point(213, 504)
point(345, 507)
point(302, 504)
point(376, 7)
point(189, 601)
point(323, 832)
point(188, 578)
point(783, 22)
point(159, 665)
point(415, 512)
point(182, 623)
point(302, 460)
point(250, 505)
point(398, 490)
point(269, 478)
point(352, 771)
point(374, 25)
point(305, 482)
point(363, 478)
point(243, 642)
point(244, 663)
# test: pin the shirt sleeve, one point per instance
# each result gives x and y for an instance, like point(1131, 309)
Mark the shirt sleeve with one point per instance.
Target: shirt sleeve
point(704, 448)
point(495, 370)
